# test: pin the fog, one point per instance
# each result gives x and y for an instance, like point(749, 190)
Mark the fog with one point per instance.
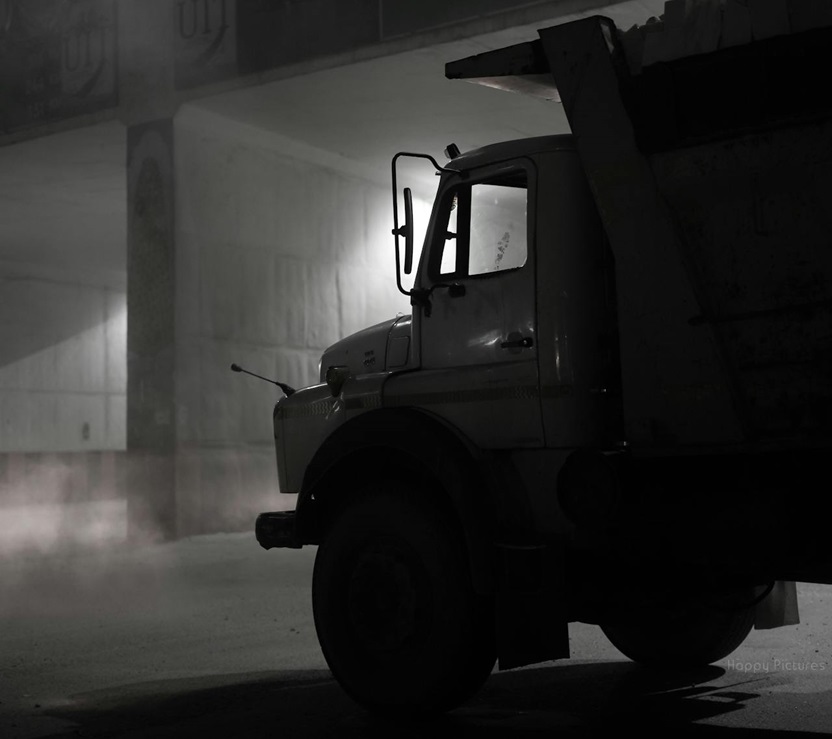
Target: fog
point(45, 527)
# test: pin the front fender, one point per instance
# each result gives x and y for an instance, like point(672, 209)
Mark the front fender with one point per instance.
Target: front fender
point(408, 443)
point(305, 421)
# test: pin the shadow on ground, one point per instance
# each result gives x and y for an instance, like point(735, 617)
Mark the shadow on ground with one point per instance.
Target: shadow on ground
point(567, 700)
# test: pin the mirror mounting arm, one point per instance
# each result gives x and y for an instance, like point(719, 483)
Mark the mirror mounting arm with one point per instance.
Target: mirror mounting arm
point(420, 296)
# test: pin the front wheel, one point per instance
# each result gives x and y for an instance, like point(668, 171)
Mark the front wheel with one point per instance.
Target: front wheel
point(397, 619)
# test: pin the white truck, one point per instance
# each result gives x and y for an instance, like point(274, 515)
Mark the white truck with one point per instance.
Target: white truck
point(612, 402)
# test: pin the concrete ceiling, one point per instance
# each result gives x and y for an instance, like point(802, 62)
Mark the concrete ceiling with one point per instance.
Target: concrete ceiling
point(63, 197)
point(368, 111)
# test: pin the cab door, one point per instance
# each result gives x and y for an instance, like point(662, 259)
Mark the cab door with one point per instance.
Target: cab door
point(478, 326)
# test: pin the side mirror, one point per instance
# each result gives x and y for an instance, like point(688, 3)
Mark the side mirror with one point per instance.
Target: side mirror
point(408, 231)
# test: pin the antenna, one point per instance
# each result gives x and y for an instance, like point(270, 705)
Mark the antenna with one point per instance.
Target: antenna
point(287, 391)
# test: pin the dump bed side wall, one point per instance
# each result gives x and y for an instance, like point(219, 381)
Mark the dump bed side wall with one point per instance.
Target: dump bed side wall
point(755, 214)
point(722, 252)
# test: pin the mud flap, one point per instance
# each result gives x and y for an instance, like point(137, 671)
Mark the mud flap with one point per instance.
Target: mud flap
point(779, 607)
point(532, 623)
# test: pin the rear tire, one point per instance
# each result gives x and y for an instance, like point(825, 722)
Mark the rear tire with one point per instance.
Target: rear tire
point(689, 634)
point(397, 619)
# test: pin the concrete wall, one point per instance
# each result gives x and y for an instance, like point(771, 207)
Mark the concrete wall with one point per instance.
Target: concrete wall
point(281, 251)
point(62, 365)
point(62, 408)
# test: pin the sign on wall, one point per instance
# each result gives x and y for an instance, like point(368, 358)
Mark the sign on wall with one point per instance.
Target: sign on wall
point(205, 41)
point(57, 59)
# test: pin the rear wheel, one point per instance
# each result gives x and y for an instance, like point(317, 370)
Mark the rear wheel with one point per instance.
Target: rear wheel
point(685, 634)
point(397, 619)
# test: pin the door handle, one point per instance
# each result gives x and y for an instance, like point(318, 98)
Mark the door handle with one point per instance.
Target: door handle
point(515, 341)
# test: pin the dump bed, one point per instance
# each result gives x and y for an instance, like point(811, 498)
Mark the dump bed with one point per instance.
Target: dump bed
point(708, 147)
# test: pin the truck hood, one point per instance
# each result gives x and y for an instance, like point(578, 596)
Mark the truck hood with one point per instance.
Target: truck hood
point(362, 352)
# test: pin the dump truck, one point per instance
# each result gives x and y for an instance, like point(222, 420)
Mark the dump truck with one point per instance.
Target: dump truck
point(611, 402)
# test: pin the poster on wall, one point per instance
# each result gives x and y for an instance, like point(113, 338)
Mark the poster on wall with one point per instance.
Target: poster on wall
point(57, 60)
point(205, 41)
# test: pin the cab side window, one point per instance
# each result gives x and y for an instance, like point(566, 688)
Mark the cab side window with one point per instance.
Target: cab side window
point(486, 228)
point(498, 228)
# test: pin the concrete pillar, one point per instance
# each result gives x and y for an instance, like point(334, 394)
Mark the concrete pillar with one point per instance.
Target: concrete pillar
point(147, 105)
point(151, 337)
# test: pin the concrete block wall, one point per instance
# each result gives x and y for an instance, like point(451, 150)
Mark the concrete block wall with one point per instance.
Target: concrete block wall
point(281, 251)
point(63, 390)
point(62, 366)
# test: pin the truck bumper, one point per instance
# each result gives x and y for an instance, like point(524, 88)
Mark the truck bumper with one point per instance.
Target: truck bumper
point(276, 529)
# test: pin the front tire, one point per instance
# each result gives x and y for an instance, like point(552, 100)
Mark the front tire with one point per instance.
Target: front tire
point(397, 619)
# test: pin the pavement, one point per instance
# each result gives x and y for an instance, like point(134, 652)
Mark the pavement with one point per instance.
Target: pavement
point(213, 637)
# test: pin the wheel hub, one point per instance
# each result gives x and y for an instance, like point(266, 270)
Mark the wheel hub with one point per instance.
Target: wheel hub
point(386, 601)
